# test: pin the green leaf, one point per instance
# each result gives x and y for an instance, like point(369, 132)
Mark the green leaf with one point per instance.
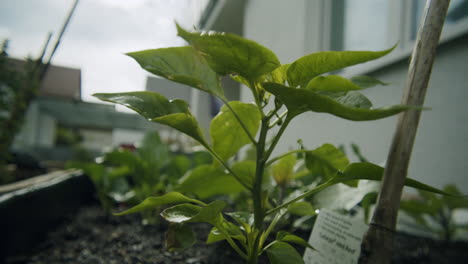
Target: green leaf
point(299, 101)
point(351, 99)
point(283, 170)
point(154, 202)
point(244, 219)
point(454, 202)
point(301, 209)
point(227, 134)
point(369, 171)
point(245, 170)
point(365, 81)
point(195, 182)
point(233, 231)
point(159, 109)
point(279, 74)
point(231, 54)
point(368, 200)
point(331, 83)
point(284, 236)
point(281, 253)
point(326, 161)
point(180, 64)
point(179, 237)
point(153, 150)
point(304, 69)
point(189, 213)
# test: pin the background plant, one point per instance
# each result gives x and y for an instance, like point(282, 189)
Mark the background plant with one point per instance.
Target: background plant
point(130, 175)
point(281, 93)
point(436, 213)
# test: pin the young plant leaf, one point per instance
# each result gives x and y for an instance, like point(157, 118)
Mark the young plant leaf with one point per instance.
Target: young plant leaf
point(189, 213)
point(154, 202)
point(299, 101)
point(284, 236)
point(278, 75)
point(365, 81)
point(331, 83)
point(195, 182)
point(180, 64)
point(283, 170)
point(304, 69)
point(301, 209)
point(326, 161)
point(231, 54)
point(281, 252)
point(159, 109)
point(227, 134)
point(233, 231)
point(179, 237)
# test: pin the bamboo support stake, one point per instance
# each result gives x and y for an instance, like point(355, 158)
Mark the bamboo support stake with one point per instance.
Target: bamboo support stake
point(377, 246)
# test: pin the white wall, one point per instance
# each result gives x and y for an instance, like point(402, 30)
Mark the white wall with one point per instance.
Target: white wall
point(439, 156)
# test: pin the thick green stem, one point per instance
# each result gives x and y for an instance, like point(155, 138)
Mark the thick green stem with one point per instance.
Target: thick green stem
point(257, 186)
point(277, 137)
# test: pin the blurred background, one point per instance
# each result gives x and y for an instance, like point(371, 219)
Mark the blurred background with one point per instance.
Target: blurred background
point(65, 120)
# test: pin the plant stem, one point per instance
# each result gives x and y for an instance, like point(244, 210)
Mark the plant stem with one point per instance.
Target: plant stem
point(278, 119)
point(252, 139)
point(277, 137)
point(259, 171)
point(271, 226)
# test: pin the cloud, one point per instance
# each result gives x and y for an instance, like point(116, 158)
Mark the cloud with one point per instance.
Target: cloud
point(100, 32)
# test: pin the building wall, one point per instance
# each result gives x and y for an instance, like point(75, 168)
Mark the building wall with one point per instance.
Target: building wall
point(439, 155)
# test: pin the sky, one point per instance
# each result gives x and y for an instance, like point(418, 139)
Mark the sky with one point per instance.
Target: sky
point(98, 35)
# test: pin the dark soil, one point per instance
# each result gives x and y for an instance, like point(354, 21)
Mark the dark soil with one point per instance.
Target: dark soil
point(92, 238)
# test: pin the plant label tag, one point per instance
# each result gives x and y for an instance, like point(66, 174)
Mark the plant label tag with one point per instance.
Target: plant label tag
point(336, 238)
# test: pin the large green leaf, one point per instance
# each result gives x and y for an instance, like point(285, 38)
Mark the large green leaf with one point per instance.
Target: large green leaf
point(227, 134)
point(154, 202)
point(283, 170)
point(359, 171)
point(369, 171)
point(180, 64)
point(231, 54)
point(281, 253)
point(332, 83)
point(301, 71)
point(326, 161)
point(206, 181)
point(189, 213)
point(301, 100)
point(245, 170)
point(159, 109)
point(179, 237)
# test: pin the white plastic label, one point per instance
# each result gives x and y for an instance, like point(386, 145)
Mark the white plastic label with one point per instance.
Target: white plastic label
point(336, 238)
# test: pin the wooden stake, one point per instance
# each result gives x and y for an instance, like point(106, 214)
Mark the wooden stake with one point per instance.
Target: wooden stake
point(377, 246)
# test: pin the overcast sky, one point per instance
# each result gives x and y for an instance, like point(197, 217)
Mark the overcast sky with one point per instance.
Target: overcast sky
point(98, 35)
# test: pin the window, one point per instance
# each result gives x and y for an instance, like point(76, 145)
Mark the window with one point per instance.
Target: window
point(378, 24)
